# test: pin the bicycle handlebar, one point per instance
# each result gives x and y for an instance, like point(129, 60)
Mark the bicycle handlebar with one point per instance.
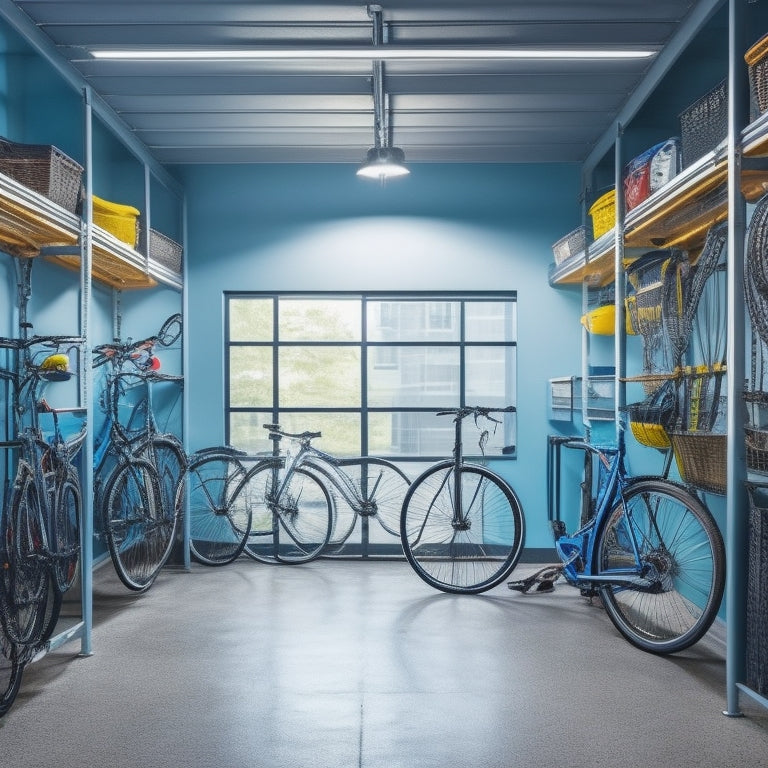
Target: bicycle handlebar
point(51, 341)
point(275, 430)
point(476, 410)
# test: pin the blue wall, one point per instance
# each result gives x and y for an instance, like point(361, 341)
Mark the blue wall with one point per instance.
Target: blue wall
point(319, 227)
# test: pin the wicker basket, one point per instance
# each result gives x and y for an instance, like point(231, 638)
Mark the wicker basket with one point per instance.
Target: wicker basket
point(704, 124)
point(163, 250)
point(756, 441)
point(701, 459)
point(756, 646)
point(649, 419)
point(45, 170)
point(570, 245)
point(122, 221)
point(757, 62)
point(603, 214)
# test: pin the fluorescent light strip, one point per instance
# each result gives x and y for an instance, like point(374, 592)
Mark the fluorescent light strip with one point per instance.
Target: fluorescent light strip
point(371, 53)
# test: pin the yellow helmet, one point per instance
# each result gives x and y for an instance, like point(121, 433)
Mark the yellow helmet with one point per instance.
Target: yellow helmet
point(56, 362)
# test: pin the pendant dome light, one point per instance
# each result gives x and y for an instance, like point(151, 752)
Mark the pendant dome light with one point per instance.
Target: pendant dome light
point(382, 161)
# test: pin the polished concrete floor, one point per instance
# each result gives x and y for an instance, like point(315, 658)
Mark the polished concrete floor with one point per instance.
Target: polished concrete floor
point(361, 665)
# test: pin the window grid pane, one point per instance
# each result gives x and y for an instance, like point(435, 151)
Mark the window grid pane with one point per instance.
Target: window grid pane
point(412, 357)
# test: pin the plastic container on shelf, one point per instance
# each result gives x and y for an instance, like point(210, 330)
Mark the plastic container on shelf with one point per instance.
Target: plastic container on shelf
point(650, 171)
point(603, 214)
point(120, 220)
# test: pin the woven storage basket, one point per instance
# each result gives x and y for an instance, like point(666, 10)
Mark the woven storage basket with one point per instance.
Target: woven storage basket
point(603, 214)
point(756, 441)
point(648, 419)
point(45, 170)
point(120, 220)
point(757, 62)
point(570, 245)
point(704, 124)
point(756, 647)
point(163, 250)
point(701, 459)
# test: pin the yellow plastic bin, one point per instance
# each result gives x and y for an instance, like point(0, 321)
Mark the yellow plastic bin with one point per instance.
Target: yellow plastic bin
point(603, 214)
point(122, 221)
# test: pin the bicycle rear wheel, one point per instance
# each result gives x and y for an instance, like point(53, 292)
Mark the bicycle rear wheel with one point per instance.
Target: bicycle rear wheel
point(682, 561)
point(464, 551)
point(291, 522)
point(217, 534)
point(137, 531)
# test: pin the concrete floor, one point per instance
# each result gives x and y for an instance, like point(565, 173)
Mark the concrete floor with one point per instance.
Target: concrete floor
point(361, 665)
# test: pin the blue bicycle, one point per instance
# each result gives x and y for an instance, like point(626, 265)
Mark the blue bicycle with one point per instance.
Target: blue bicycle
point(646, 546)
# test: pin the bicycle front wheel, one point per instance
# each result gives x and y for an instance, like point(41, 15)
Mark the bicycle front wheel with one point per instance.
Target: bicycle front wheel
point(217, 534)
point(167, 455)
point(30, 603)
point(137, 532)
point(66, 531)
point(468, 548)
point(670, 539)
point(10, 675)
point(291, 521)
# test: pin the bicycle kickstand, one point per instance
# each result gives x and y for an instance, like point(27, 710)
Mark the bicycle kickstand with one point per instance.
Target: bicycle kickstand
point(544, 580)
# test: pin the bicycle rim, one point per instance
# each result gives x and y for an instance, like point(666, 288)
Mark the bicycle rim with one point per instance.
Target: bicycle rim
point(477, 553)
point(66, 532)
point(10, 676)
point(168, 457)
point(682, 559)
point(292, 528)
point(217, 528)
point(30, 609)
point(136, 530)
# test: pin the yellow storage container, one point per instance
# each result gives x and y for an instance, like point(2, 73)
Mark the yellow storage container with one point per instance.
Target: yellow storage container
point(603, 214)
point(122, 221)
point(602, 321)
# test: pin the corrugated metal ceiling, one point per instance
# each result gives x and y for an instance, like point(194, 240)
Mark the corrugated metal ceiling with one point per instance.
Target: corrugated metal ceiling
point(322, 110)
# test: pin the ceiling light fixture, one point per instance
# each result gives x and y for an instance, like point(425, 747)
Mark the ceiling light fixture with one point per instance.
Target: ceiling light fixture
point(382, 161)
point(366, 53)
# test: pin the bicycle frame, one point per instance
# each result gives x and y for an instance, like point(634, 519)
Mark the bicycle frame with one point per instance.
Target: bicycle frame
point(577, 551)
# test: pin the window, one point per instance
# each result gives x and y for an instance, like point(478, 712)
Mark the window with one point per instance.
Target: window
point(369, 371)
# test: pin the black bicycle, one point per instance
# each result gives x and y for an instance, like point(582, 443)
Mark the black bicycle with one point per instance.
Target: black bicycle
point(462, 526)
point(40, 523)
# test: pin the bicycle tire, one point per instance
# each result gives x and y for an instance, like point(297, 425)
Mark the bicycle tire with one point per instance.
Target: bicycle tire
point(381, 486)
point(167, 454)
point(134, 525)
point(462, 561)
point(31, 604)
point(683, 557)
point(11, 671)
point(292, 529)
point(170, 330)
point(66, 531)
point(216, 536)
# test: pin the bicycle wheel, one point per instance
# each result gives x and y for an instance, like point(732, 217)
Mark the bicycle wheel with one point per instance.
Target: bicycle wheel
point(170, 461)
point(382, 487)
point(66, 531)
point(137, 531)
point(29, 601)
point(290, 523)
point(468, 552)
point(10, 675)
point(682, 566)
point(217, 536)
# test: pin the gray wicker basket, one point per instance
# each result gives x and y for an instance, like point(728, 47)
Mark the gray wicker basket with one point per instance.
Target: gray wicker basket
point(44, 169)
point(756, 661)
point(163, 250)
